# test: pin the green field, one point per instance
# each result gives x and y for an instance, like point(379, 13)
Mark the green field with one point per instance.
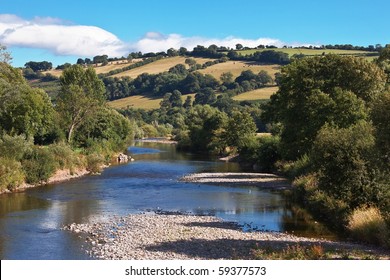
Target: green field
point(257, 94)
point(158, 66)
point(236, 67)
point(140, 102)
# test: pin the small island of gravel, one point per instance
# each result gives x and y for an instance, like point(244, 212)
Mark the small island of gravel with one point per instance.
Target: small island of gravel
point(151, 236)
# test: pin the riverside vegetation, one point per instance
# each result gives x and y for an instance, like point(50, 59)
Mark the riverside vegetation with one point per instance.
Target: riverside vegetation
point(38, 137)
point(327, 125)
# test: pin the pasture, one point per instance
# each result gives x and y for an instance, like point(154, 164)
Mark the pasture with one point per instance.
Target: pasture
point(158, 66)
point(257, 94)
point(236, 67)
point(141, 102)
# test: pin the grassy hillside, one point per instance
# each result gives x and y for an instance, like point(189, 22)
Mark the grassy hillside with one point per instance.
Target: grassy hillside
point(141, 102)
point(257, 94)
point(236, 67)
point(158, 66)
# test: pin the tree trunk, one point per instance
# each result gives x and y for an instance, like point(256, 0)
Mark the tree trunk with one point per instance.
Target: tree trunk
point(70, 132)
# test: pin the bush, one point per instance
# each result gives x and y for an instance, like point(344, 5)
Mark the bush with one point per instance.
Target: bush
point(268, 153)
point(11, 174)
point(38, 165)
point(294, 169)
point(15, 147)
point(326, 208)
point(367, 224)
point(342, 160)
point(95, 163)
point(64, 157)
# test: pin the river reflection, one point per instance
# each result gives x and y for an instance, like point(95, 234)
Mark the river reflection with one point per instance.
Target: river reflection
point(30, 222)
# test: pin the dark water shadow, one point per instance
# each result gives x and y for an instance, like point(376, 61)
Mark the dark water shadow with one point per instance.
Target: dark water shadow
point(244, 249)
point(222, 248)
point(220, 225)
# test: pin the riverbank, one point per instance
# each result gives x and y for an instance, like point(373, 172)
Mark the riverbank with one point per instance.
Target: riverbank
point(151, 236)
point(161, 140)
point(263, 180)
point(61, 175)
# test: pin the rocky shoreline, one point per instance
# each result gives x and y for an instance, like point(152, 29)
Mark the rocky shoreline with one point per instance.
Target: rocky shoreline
point(61, 175)
point(151, 236)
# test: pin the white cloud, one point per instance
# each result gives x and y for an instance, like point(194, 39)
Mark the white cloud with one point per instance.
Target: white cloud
point(61, 39)
point(155, 42)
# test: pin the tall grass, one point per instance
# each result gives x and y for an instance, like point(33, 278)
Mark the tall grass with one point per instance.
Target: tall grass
point(367, 224)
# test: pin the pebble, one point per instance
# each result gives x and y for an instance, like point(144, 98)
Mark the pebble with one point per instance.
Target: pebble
point(171, 236)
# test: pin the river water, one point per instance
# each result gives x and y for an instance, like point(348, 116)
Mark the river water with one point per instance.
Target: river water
point(31, 221)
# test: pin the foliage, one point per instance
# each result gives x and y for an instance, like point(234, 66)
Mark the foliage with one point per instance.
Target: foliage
point(380, 114)
point(23, 110)
point(64, 157)
point(367, 224)
point(39, 66)
point(206, 125)
point(15, 147)
point(341, 157)
point(11, 174)
point(95, 163)
point(38, 165)
point(105, 125)
point(319, 90)
point(82, 94)
point(240, 126)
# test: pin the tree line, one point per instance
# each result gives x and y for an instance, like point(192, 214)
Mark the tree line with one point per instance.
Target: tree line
point(38, 137)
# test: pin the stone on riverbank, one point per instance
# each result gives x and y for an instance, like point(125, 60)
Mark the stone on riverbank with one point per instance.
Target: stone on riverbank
point(151, 236)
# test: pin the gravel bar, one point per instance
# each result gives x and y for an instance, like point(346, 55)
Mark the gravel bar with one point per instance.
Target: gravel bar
point(263, 180)
point(151, 236)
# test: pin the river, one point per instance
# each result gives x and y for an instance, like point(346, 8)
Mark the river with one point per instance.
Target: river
point(31, 221)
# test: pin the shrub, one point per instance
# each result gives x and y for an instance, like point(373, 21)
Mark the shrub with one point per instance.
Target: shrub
point(326, 208)
point(11, 174)
point(15, 147)
point(294, 169)
point(95, 163)
point(367, 224)
point(64, 156)
point(268, 153)
point(38, 165)
point(292, 252)
point(342, 160)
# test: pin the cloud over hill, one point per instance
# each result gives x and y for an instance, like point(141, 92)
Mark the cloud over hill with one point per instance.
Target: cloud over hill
point(62, 38)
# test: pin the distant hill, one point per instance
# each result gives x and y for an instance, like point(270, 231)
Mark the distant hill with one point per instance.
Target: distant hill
point(132, 69)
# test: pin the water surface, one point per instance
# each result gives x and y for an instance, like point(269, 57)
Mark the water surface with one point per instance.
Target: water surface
point(30, 222)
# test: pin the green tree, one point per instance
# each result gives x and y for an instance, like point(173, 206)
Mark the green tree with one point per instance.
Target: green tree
point(314, 91)
point(206, 126)
point(263, 78)
point(175, 99)
point(380, 114)
point(227, 78)
point(23, 110)
point(240, 127)
point(188, 102)
point(107, 128)
point(205, 96)
point(341, 158)
point(39, 66)
point(82, 94)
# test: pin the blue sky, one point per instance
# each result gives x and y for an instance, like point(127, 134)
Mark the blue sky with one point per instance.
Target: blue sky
point(62, 31)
